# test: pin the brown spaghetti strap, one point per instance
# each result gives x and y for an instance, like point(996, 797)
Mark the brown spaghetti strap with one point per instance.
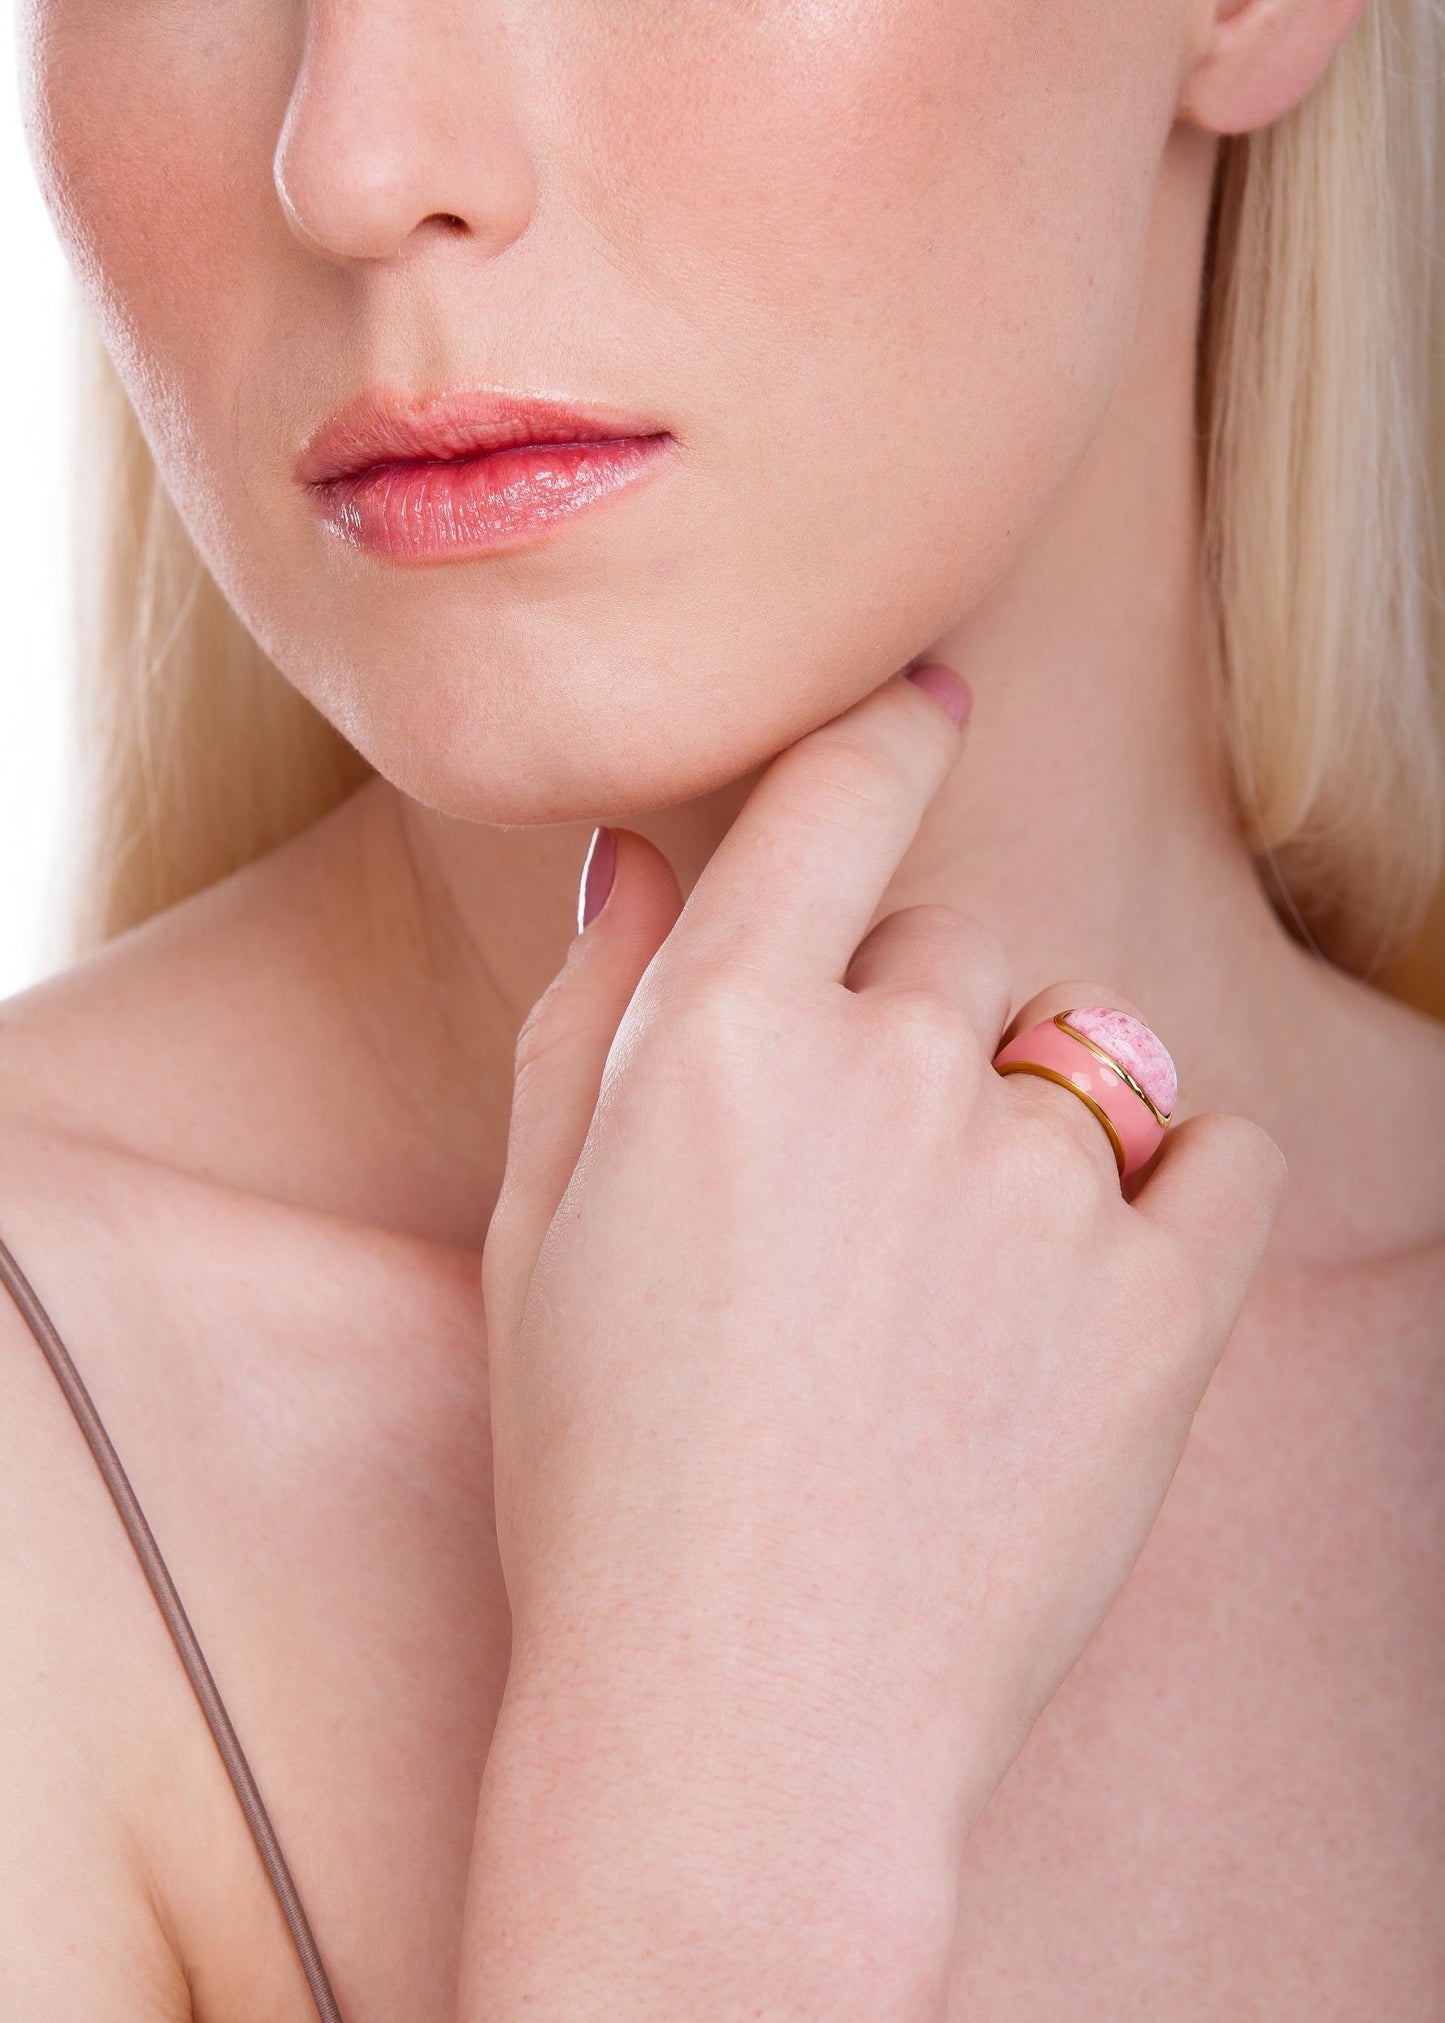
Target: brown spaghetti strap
point(183, 1636)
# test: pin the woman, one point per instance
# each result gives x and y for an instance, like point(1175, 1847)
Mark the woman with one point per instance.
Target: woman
point(718, 1402)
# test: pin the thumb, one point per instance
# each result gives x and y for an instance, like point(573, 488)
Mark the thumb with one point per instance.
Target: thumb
point(562, 1049)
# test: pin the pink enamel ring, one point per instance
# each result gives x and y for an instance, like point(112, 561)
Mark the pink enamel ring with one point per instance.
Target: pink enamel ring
point(1110, 1061)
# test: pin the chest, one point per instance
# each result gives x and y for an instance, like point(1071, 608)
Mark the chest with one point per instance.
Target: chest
point(1233, 1807)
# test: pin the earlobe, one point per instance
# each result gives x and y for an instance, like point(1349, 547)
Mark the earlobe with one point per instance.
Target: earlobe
point(1262, 58)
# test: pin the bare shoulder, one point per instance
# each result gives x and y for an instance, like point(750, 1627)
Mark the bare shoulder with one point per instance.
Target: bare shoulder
point(81, 1931)
point(168, 1038)
point(238, 1037)
point(165, 1108)
point(254, 1359)
point(77, 1650)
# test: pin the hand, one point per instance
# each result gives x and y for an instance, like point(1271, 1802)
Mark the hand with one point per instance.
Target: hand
point(835, 1389)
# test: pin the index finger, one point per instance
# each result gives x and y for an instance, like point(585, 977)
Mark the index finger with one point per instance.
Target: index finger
point(796, 880)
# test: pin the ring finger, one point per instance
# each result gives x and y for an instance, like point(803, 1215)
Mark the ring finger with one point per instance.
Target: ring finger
point(1106, 1075)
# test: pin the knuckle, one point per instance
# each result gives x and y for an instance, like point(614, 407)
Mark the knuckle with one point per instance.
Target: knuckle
point(1257, 1153)
point(1238, 1143)
point(969, 942)
point(932, 1040)
point(1240, 1175)
point(977, 946)
point(990, 960)
point(933, 919)
point(717, 1014)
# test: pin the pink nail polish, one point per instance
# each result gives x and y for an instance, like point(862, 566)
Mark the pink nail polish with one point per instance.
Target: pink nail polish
point(947, 687)
point(599, 869)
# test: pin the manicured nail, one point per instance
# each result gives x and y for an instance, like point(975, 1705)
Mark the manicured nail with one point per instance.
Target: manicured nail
point(598, 871)
point(947, 687)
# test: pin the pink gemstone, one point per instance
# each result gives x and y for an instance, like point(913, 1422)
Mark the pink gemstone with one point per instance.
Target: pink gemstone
point(1133, 1046)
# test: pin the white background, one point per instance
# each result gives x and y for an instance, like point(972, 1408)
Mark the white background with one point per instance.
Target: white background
point(36, 773)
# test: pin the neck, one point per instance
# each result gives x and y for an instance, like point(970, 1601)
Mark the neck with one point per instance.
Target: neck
point(1088, 822)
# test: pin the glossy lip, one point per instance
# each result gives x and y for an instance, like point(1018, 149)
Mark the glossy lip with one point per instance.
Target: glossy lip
point(444, 476)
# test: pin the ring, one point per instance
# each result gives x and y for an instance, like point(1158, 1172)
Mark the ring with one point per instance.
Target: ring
point(1114, 1063)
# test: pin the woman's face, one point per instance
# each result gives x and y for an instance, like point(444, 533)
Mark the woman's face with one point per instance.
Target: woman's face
point(874, 263)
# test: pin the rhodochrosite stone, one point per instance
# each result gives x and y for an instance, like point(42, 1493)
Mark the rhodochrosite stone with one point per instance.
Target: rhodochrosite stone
point(1134, 1047)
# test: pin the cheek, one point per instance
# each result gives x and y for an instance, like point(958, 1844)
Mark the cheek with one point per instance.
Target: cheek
point(144, 120)
point(906, 237)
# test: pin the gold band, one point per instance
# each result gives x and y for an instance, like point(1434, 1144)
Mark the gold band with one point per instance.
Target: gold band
point(1053, 1075)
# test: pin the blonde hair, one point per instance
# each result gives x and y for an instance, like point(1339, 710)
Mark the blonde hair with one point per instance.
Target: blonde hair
point(1324, 428)
point(1324, 466)
point(197, 755)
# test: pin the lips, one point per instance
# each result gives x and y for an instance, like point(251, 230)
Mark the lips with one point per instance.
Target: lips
point(465, 473)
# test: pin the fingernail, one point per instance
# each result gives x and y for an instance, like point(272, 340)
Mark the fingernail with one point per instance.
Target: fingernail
point(947, 687)
point(599, 868)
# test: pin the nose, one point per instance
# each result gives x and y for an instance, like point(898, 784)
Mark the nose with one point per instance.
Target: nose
point(403, 115)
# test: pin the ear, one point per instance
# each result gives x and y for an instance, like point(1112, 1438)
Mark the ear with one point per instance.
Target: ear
point(1260, 58)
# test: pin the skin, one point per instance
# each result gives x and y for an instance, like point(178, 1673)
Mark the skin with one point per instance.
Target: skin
point(252, 1155)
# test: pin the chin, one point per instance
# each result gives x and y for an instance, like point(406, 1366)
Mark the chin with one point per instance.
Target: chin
point(536, 783)
point(512, 730)
point(539, 749)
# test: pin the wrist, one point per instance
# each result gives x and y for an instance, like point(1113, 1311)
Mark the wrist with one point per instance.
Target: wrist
point(715, 1703)
point(645, 1860)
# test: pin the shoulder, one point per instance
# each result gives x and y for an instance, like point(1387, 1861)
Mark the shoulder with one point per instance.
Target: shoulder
point(240, 1353)
point(75, 1744)
point(197, 1305)
point(157, 1040)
